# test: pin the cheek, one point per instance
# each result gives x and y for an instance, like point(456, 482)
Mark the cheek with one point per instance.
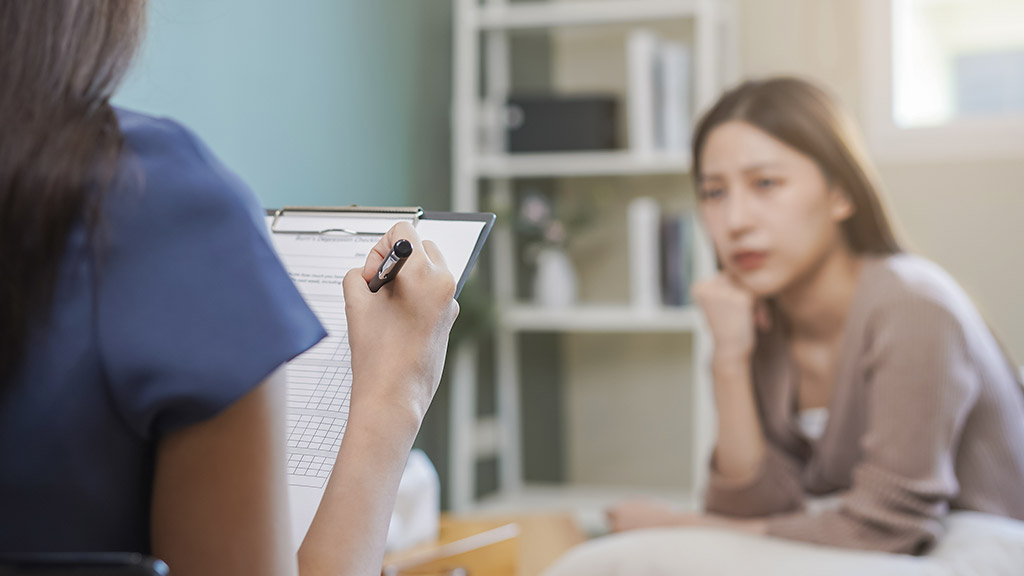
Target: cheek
point(804, 228)
point(714, 226)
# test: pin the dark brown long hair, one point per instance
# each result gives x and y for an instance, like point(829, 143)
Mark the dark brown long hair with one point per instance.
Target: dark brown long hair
point(60, 61)
point(806, 118)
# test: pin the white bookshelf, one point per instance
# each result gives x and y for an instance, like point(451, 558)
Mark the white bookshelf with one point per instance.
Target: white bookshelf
point(584, 318)
point(500, 16)
point(482, 170)
point(578, 164)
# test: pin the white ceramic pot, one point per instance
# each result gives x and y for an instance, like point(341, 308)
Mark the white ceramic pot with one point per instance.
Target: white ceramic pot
point(555, 284)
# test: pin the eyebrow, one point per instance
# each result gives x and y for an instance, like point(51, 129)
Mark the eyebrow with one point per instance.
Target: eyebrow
point(745, 170)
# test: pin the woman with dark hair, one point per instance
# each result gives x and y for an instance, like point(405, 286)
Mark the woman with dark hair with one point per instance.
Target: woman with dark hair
point(144, 320)
point(842, 366)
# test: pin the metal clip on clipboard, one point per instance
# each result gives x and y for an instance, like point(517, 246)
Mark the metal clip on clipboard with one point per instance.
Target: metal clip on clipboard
point(414, 213)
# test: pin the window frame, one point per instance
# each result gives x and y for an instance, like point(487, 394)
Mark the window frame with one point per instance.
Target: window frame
point(983, 138)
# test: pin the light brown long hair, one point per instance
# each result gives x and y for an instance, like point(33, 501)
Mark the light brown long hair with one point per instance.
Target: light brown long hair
point(806, 118)
point(60, 61)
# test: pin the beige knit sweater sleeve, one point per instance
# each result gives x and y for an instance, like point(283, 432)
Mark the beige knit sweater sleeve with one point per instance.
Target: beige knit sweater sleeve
point(920, 388)
point(774, 489)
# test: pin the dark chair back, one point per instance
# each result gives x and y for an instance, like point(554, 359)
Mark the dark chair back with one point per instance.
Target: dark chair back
point(82, 565)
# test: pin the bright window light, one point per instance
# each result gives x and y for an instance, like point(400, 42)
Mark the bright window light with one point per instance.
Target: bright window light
point(956, 59)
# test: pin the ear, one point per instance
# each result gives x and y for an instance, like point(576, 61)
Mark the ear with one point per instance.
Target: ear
point(840, 205)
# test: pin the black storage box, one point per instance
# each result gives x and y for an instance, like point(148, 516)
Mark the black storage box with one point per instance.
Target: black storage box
point(560, 123)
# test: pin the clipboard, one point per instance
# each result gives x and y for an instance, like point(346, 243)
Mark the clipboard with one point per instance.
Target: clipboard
point(318, 246)
point(386, 216)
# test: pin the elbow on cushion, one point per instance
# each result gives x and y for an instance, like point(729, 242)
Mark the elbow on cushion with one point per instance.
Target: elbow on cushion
point(845, 528)
point(913, 538)
point(740, 505)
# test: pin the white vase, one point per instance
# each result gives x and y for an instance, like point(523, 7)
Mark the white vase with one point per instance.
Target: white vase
point(555, 284)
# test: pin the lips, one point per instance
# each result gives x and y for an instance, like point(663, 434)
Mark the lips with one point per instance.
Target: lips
point(749, 260)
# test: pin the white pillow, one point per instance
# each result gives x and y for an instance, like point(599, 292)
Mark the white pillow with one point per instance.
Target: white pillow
point(974, 545)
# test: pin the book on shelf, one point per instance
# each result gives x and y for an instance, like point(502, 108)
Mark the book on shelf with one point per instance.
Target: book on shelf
point(674, 106)
point(677, 268)
point(658, 93)
point(641, 50)
point(643, 218)
point(661, 255)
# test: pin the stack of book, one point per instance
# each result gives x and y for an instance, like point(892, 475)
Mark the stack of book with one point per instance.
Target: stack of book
point(659, 94)
point(661, 247)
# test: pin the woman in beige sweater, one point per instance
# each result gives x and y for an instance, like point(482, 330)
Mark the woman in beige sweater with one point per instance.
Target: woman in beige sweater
point(843, 367)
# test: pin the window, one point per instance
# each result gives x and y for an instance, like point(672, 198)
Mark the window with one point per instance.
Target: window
point(944, 78)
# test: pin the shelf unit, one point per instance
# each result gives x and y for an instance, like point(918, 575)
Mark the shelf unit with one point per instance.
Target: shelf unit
point(502, 16)
point(572, 164)
point(590, 318)
point(482, 167)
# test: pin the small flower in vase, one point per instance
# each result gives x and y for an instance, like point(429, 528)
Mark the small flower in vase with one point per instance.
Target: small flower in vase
point(554, 282)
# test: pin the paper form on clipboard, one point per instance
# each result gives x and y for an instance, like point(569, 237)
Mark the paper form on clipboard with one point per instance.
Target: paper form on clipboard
point(318, 246)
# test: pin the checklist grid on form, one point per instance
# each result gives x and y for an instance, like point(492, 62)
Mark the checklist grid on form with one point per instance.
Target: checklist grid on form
point(319, 388)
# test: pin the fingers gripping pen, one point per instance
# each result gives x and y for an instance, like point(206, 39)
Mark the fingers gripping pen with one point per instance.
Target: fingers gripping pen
point(391, 265)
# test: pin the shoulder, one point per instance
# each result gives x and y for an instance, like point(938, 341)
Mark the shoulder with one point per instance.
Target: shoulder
point(186, 260)
point(167, 172)
point(910, 303)
point(910, 283)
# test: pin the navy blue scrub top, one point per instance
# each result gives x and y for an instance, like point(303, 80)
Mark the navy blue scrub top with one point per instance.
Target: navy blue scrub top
point(186, 310)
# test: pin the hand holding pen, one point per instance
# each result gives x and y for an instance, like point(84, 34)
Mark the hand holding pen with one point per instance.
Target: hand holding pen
point(388, 269)
point(398, 336)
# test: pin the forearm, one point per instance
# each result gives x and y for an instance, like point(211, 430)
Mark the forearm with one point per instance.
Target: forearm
point(348, 534)
point(398, 338)
point(740, 448)
point(845, 529)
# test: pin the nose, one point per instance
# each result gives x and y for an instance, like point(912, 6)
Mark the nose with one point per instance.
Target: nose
point(739, 214)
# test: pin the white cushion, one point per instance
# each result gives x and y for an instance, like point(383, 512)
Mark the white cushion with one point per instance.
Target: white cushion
point(974, 545)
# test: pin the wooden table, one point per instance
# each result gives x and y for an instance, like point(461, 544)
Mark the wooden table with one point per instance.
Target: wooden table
point(519, 545)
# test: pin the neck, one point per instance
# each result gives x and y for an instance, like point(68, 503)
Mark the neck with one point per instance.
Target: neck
point(815, 306)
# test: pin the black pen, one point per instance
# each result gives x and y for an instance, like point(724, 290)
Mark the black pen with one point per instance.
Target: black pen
point(391, 265)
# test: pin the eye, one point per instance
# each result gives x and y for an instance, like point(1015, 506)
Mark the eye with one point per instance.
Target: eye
point(766, 183)
point(708, 193)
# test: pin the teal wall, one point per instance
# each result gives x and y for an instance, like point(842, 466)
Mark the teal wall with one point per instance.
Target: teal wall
point(311, 101)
